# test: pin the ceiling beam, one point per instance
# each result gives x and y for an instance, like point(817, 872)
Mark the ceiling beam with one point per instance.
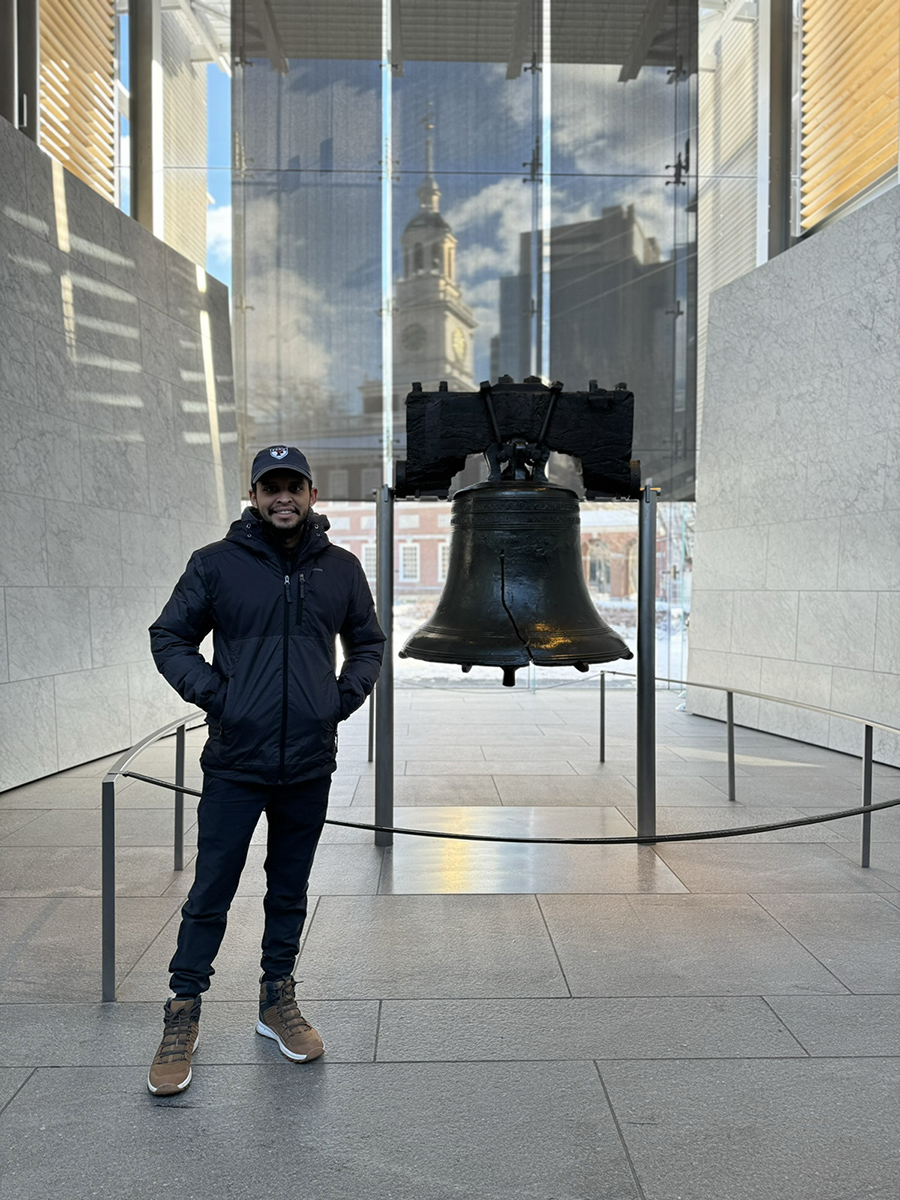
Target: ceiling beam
point(269, 32)
point(522, 45)
point(643, 39)
point(396, 39)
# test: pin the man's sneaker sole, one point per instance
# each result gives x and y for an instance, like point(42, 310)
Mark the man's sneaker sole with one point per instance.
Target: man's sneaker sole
point(268, 1032)
point(173, 1089)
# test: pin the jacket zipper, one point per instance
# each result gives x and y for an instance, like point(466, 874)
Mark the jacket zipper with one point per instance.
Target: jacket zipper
point(302, 579)
point(284, 683)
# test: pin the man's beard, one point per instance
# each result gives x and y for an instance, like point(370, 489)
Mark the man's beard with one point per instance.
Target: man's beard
point(281, 535)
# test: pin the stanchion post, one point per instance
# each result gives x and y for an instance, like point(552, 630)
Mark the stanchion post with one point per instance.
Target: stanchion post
point(179, 799)
point(108, 887)
point(603, 716)
point(372, 726)
point(384, 705)
point(866, 798)
point(646, 665)
point(729, 716)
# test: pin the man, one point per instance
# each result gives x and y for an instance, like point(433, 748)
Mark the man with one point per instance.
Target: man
point(275, 594)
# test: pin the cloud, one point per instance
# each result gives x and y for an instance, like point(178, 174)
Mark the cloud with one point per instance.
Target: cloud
point(218, 232)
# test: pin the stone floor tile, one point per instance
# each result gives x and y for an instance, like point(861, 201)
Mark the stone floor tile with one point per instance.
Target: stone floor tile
point(134, 827)
point(684, 819)
point(607, 789)
point(525, 765)
point(759, 867)
point(842, 1026)
point(388, 1131)
point(443, 789)
point(758, 1130)
point(429, 946)
point(13, 819)
point(126, 1034)
point(11, 1079)
point(695, 791)
point(338, 870)
point(420, 866)
point(75, 871)
point(55, 792)
point(51, 947)
point(854, 937)
point(632, 1027)
point(678, 946)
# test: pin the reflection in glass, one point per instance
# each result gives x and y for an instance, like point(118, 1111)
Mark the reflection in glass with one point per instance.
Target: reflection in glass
point(533, 164)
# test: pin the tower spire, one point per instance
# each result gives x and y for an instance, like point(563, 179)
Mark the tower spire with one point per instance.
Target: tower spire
point(429, 193)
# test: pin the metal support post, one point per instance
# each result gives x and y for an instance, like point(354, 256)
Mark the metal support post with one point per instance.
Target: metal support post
point(179, 799)
point(146, 114)
point(384, 706)
point(780, 91)
point(603, 716)
point(729, 711)
point(9, 62)
point(108, 887)
point(646, 665)
point(372, 726)
point(29, 69)
point(866, 798)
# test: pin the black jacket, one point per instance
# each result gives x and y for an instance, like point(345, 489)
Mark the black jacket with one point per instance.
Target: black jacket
point(270, 694)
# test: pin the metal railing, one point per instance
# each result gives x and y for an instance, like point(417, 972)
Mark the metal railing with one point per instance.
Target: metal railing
point(384, 829)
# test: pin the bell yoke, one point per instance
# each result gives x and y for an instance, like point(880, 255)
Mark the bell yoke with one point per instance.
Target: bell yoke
point(515, 591)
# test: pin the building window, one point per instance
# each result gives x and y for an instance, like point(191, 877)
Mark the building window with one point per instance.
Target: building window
point(408, 521)
point(371, 482)
point(443, 560)
point(338, 484)
point(418, 258)
point(370, 561)
point(409, 562)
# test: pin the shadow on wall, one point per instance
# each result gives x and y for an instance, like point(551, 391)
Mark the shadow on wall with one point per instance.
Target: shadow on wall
point(117, 417)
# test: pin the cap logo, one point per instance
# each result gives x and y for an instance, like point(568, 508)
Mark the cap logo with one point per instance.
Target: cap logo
point(279, 452)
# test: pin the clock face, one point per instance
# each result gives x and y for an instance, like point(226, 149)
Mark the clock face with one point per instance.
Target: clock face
point(459, 343)
point(414, 337)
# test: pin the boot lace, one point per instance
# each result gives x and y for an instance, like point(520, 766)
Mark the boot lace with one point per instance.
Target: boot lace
point(288, 1011)
point(176, 1040)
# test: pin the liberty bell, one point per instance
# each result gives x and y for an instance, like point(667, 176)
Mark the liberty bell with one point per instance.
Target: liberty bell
point(515, 591)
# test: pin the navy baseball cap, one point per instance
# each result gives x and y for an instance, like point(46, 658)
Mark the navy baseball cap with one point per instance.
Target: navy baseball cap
point(279, 458)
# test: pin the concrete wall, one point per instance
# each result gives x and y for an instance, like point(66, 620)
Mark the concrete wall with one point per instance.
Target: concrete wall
point(797, 557)
point(118, 452)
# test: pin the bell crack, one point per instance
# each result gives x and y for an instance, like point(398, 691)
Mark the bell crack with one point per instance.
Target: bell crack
point(507, 609)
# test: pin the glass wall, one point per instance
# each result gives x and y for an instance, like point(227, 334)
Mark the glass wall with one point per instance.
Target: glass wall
point(487, 187)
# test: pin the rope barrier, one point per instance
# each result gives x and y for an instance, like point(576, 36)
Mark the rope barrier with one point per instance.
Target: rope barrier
point(693, 836)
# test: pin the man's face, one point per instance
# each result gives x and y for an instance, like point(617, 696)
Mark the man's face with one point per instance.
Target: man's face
point(283, 500)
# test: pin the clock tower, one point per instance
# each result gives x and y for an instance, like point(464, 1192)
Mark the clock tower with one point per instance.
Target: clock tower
point(433, 326)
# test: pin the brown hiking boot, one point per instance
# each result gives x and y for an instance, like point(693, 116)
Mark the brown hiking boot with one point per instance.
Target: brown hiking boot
point(170, 1071)
point(281, 1019)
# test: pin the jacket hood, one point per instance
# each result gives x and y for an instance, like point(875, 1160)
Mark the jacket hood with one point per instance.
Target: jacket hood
point(250, 532)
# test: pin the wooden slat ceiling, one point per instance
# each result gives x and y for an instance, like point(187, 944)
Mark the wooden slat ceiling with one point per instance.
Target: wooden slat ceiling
point(620, 32)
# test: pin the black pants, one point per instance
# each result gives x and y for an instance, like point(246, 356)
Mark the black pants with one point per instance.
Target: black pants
point(227, 815)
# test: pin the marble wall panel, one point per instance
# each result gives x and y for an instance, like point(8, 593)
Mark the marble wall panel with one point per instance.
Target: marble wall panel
point(837, 628)
point(710, 628)
point(731, 559)
point(4, 657)
point(870, 551)
point(151, 550)
point(115, 469)
point(765, 622)
point(814, 332)
point(101, 493)
point(84, 543)
point(27, 732)
point(104, 694)
point(152, 703)
point(887, 633)
point(17, 367)
point(816, 568)
point(48, 631)
point(23, 541)
point(120, 618)
point(13, 194)
point(726, 671)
